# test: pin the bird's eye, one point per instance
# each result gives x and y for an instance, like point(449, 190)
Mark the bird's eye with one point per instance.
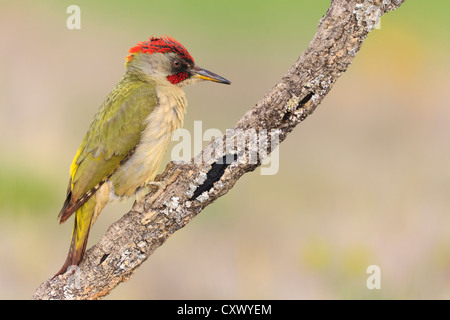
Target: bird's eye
point(176, 63)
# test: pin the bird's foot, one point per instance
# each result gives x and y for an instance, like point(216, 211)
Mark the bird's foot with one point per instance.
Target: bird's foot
point(152, 187)
point(149, 214)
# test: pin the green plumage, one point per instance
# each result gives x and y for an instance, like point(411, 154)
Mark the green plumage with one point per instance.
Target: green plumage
point(111, 139)
point(114, 133)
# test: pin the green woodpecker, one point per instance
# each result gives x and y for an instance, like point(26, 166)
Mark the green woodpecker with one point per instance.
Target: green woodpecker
point(126, 141)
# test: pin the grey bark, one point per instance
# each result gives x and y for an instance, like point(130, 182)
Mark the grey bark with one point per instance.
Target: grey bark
point(190, 187)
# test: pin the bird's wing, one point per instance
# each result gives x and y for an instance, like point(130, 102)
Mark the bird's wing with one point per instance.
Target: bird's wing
point(110, 140)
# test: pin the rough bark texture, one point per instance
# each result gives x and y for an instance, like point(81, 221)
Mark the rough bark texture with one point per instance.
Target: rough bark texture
point(190, 187)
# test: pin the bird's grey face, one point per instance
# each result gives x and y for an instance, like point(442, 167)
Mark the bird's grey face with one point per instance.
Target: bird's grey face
point(174, 68)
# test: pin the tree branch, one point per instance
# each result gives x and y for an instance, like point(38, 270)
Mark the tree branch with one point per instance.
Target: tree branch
point(190, 187)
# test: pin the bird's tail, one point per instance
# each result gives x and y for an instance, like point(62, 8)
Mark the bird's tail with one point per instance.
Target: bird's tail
point(80, 235)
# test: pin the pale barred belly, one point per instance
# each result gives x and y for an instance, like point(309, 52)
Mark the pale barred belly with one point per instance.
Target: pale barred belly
point(143, 165)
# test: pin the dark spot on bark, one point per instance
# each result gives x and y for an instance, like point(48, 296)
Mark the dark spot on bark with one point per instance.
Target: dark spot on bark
point(214, 174)
point(104, 258)
point(299, 105)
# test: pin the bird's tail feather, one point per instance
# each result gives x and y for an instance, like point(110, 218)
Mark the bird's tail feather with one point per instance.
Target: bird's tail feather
point(80, 235)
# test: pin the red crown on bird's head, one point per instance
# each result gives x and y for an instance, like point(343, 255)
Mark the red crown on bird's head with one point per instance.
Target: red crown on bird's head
point(161, 45)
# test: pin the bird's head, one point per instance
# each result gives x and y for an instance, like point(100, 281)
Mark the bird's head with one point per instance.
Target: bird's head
point(168, 59)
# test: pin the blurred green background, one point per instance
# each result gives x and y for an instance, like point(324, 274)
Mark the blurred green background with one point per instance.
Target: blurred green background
point(365, 180)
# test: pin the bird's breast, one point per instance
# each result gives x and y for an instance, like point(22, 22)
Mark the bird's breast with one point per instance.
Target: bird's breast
point(143, 165)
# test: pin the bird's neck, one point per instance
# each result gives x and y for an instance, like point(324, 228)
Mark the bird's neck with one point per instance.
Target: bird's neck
point(138, 75)
point(171, 97)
